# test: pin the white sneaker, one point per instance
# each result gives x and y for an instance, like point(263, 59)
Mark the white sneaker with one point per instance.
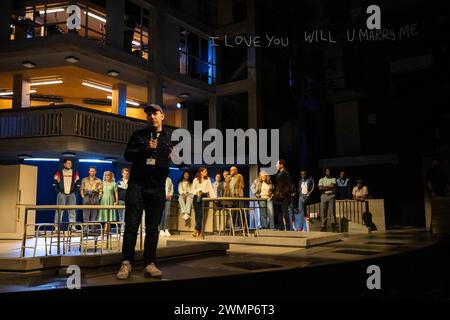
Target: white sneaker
point(152, 271)
point(162, 233)
point(167, 233)
point(124, 271)
point(185, 216)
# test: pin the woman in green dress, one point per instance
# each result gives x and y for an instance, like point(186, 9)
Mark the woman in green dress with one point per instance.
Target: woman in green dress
point(110, 198)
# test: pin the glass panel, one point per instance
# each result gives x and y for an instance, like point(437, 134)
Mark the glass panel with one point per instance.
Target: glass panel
point(183, 63)
point(193, 45)
point(204, 49)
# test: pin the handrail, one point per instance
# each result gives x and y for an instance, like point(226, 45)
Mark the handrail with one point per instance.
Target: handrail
point(59, 209)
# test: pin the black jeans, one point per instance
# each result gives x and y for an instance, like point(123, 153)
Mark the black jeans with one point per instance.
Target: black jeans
point(139, 198)
point(198, 214)
point(281, 211)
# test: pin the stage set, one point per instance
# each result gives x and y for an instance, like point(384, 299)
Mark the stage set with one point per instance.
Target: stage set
point(230, 253)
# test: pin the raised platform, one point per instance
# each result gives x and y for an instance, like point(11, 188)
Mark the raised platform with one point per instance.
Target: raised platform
point(28, 264)
point(272, 238)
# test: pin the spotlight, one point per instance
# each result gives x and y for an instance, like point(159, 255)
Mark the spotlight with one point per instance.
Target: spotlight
point(72, 59)
point(68, 154)
point(28, 64)
point(113, 73)
point(179, 105)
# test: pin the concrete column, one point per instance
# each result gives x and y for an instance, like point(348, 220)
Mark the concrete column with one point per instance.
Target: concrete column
point(115, 12)
point(158, 38)
point(5, 18)
point(181, 118)
point(347, 128)
point(119, 99)
point(21, 89)
point(214, 112)
point(254, 108)
point(155, 89)
point(225, 7)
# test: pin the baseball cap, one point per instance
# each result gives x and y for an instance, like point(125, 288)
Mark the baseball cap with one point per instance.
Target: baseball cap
point(152, 108)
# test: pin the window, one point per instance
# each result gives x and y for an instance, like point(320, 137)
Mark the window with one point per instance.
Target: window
point(136, 37)
point(197, 57)
point(47, 18)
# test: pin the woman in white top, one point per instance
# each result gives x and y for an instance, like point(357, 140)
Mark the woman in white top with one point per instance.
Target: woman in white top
point(201, 187)
point(185, 194)
point(262, 187)
point(164, 224)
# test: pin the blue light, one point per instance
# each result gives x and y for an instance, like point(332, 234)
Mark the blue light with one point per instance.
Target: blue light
point(42, 159)
point(175, 169)
point(211, 61)
point(178, 105)
point(95, 161)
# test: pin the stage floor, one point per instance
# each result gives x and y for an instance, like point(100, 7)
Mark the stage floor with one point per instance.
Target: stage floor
point(219, 260)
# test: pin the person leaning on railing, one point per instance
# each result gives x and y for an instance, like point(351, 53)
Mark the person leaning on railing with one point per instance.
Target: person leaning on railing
point(360, 191)
point(201, 188)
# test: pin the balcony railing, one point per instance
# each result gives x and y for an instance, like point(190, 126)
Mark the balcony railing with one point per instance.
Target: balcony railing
point(67, 120)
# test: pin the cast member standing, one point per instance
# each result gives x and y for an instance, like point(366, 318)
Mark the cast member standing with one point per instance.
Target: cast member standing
point(202, 188)
point(327, 185)
point(164, 225)
point(110, 198)
point(122, 186)
point(262, 188)
point(344, 188)
point(66, 184)
point(282, 196)
point(91, 191)
point(185, 194)
point(305, 188)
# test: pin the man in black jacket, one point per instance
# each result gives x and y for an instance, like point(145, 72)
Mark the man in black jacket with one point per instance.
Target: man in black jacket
point(149, 151)
point(282, 196)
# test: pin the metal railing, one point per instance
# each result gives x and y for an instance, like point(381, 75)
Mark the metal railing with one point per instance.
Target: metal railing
point(352, 210)
point(67, 120)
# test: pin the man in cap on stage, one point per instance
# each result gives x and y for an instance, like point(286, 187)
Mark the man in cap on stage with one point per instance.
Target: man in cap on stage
point(149, 152)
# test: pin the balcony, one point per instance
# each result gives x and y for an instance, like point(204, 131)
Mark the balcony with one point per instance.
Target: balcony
point(49, 131)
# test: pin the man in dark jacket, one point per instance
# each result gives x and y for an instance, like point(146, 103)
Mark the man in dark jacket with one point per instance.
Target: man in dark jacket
point(148, 150)
point(282, 196)
point(66, 184)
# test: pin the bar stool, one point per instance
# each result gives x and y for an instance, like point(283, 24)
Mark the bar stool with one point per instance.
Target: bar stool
point(40, 229)
point(86, 235)
point(115, 236)
point(246, 212)
point(240, 218)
